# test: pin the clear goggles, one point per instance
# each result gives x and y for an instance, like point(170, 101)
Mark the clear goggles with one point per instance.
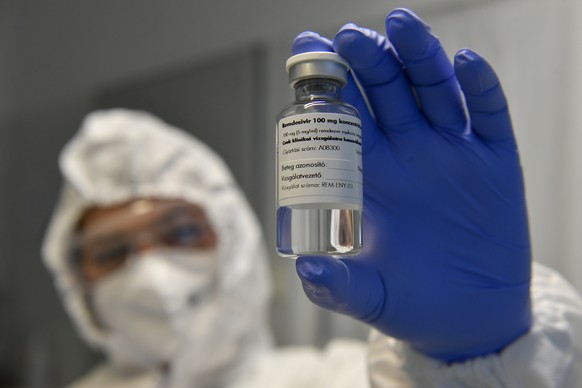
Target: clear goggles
point(107, 237)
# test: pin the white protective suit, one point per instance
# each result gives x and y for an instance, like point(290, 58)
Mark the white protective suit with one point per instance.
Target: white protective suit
point(120, 155)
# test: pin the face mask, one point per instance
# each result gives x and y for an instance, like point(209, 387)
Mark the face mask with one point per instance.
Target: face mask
point(144, 304)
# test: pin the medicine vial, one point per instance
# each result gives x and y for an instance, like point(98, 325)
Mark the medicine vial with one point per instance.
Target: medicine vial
point(319, 162)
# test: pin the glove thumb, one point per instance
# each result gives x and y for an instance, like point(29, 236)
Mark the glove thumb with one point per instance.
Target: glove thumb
point(345, 286)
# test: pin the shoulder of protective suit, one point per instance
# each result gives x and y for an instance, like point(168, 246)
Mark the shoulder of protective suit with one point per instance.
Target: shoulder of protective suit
point(549, 355)
point(342, 364)
point(104, 375)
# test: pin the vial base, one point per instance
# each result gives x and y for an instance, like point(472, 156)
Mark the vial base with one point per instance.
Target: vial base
point(312, 231)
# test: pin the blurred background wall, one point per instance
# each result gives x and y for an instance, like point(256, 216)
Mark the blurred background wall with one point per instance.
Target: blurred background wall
point(179, 59)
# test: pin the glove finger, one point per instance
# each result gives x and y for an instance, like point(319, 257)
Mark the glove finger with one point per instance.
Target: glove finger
point(380, 73)
point(311, 41)
point(484, 96)
point(352, 95)
point(343, 286)
point(429, 70)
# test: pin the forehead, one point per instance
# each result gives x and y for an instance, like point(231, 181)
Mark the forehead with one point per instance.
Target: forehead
point(136, 213)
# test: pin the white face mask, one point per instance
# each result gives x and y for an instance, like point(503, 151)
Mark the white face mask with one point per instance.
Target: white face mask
point(144, 305)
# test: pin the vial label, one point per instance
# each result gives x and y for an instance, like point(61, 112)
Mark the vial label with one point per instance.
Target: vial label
point(320, 160)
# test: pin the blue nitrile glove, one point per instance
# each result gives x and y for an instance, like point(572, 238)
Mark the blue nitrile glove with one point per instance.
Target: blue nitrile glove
point(446, 260)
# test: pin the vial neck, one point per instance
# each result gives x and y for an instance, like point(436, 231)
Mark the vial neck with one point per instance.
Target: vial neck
point(318, 88)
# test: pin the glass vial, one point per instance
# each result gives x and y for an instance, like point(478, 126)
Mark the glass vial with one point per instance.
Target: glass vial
point(319, 162)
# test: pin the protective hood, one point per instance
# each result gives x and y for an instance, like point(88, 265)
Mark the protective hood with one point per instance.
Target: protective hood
point(119, 155)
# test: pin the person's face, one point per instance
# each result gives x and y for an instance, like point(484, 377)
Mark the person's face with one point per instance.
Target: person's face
point(107, 236)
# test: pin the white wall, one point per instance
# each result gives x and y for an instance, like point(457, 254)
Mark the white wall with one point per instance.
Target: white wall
point(568, 196)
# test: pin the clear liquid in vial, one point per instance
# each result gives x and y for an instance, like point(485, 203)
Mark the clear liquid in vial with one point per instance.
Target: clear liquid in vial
point(317, 230)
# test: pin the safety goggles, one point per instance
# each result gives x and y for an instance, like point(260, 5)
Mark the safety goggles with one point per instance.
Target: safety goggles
point(107, 237)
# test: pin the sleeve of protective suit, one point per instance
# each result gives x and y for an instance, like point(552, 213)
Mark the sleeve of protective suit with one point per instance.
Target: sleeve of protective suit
point(342, 364)
point(549, 355)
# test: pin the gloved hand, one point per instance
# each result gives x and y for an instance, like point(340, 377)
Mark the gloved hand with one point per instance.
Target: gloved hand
point(446, 259)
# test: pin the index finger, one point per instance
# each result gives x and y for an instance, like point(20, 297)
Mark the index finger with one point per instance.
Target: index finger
point(310, 41)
